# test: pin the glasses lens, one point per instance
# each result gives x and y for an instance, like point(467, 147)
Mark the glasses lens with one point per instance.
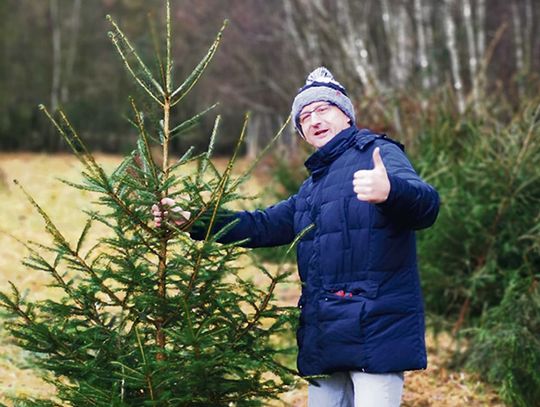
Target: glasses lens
point(321, 109)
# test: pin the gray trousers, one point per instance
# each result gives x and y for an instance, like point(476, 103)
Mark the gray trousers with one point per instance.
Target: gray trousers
point(357, 389)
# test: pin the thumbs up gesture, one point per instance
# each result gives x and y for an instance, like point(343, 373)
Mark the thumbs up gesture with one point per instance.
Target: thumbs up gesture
point(373, 185)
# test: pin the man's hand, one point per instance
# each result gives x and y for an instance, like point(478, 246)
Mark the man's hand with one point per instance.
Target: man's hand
point(169, 211)
point(372, 186)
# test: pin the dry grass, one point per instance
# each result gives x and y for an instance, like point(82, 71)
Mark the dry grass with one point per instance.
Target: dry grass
point(37, 173)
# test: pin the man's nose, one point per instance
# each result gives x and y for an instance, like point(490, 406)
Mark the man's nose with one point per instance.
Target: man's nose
point(314, 119)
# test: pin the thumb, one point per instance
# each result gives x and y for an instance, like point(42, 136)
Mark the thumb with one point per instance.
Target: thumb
point(377, 159)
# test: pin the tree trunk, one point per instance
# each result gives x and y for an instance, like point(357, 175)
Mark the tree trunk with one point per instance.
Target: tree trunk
point(481, 28)
point(404, 48)
point(471, 45)
point(450, 31)
point(253, 135)
point(518, 46)
point(423, 61)
point(434, 71)
point(56, 53)
point(355, 49)
point(387, 19)
point(75, 23)
point(527, 35)
point(518, 40)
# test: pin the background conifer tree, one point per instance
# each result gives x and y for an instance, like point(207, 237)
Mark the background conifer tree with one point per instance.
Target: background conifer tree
point(148, 316)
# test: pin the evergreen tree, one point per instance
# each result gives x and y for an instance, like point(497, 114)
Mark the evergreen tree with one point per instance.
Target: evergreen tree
point(148, 316)
point(480, 263)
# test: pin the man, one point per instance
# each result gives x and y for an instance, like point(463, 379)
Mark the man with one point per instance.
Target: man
point(362, 318)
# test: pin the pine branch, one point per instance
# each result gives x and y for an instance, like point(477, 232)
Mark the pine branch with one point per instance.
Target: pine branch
point(93, 167)
point(209, 151)
point(63, 243)
point(119, 38)
point(14, 305)
point(192, 79)
point(147, 376)
point(146, 145)
point(273, 283)
point(71, 139)
point(190, 123)
point(219, 191)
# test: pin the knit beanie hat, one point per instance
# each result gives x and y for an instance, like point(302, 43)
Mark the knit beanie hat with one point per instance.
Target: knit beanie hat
point(321, 86)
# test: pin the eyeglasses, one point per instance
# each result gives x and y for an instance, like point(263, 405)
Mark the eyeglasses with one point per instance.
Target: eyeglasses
point(321, 110)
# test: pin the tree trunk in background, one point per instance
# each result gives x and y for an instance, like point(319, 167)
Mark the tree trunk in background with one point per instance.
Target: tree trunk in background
point(518, 45)
point(312, 40)
point(353, 45)
point(423, 61)
point(397, 30)
point(253, 135)
point(404, 45)
point(450, 31)
point(53, 142)
point(56, 54)
point(293, 139)
point(480, 28)
point(305, 33)
point(527, 35)
point(75, 22)
point(471, 46)
point(294, 33)
point(434, 70)
point(387, 20)
point(481, 46)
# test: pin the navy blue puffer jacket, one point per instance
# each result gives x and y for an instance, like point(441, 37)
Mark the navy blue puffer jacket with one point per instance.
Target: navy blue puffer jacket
point(361, 304)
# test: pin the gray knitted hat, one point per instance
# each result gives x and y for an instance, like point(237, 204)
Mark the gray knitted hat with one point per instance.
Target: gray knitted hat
point(321, 86)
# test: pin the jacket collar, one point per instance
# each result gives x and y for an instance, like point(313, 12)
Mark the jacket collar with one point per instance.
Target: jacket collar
point(320, 160)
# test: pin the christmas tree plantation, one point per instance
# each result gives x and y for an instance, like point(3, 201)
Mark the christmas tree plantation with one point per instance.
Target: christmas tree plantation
point(147, 315)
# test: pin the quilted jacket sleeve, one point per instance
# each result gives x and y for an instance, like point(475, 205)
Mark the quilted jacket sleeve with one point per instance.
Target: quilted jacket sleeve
point(273, 226)
point(412, 202)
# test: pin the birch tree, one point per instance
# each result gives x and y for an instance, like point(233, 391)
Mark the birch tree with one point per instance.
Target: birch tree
point(481, 28)
point(404, 44)
point(422, 58)
point(450, 31)
point(353, 43)
point(397, 29)
point(518, 40)
point(471, 46)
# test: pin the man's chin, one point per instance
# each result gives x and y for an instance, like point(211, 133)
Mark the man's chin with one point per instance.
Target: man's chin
point(323, 141)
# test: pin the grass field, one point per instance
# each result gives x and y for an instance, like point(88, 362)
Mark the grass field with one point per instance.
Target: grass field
point(437, 386)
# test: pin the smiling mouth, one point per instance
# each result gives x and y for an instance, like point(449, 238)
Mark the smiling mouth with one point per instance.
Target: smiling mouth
point(320, 132)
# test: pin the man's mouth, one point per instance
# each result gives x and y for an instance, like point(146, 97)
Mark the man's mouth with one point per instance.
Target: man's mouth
point(320, 132)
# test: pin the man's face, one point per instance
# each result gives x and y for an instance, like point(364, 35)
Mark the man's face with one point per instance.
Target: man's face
point(321, 121)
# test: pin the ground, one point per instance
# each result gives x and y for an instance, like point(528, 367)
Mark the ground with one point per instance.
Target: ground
point(38, 174)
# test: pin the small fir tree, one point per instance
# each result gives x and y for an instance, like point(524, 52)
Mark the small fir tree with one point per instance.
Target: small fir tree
point(148, 316)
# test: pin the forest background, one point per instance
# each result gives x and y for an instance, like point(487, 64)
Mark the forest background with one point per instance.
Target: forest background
point(456, 81)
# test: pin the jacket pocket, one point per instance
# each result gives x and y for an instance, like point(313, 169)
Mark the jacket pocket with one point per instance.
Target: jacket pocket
point(340, 320)
point(363, 289)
